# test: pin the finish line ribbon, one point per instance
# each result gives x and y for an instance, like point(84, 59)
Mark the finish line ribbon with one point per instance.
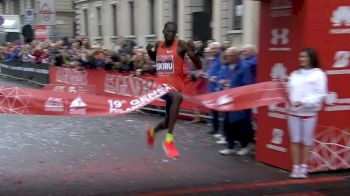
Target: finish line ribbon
point(244, 97)
point(14, 100)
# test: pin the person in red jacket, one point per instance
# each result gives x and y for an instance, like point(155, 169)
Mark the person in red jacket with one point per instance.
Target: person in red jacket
point(169, 57)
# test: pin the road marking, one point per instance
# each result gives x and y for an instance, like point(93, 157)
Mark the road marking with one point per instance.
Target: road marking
point(247, 186)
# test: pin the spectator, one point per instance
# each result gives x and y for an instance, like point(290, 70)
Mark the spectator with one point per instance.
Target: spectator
point(237, 124)
point(125, 47)
point(226, 45)
point(307, 88)
point(251, 58)
point(213, 70)
point(123, 65)
point(249, 54)
point(38, 53)
point(85, 59)
point(85, 44)
point(26, 56)
point(10, 54)
point(99, 60)
point(139, 61)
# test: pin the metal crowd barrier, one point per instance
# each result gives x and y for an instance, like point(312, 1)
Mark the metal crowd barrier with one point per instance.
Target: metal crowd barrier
point(36, 73)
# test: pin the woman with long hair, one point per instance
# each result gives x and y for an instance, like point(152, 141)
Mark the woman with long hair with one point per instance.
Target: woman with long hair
point(307, 88)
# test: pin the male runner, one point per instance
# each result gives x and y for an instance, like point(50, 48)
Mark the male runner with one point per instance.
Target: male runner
point(169, 57)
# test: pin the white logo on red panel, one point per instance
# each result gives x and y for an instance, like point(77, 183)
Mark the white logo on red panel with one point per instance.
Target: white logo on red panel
point(341, 16)
point(59, 88)
point(277, 136)
point(224, 100)
point(72, 89)
point(341, 60)
point(341, 20)
point(54, 105)
point(331, 98)
point(78, 106)
point(336, 104)
point(279, 36)
point(279, 72)
point(279, 39)
point(276, 140)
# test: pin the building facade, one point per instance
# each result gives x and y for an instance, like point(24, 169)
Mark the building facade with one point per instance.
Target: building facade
point(103, 21)
point(65, 15)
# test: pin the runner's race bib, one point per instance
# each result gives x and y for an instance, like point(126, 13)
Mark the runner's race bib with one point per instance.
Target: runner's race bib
point(165, 65)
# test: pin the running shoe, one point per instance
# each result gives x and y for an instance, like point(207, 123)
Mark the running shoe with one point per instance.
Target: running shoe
point(170, 149)
point(150, 137)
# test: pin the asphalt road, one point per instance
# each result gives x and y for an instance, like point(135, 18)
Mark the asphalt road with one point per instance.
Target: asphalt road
point(45, 155)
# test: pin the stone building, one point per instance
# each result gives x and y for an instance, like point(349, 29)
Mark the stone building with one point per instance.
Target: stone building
point(103, 21)
point(65, 15)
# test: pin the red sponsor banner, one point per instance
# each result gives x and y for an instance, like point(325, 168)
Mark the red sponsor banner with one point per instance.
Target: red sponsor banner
point(112, 83)
point(16, 100)
point(71, 88)
point(287, 27)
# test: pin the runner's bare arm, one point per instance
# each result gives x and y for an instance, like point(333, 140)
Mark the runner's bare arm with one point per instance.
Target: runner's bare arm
point(192, 52)
point(152, 50)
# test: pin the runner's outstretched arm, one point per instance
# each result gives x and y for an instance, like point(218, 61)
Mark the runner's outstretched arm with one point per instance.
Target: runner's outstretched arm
point(192, 52)
point(152, 50)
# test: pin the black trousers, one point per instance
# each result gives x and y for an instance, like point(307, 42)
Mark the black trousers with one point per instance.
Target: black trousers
point(215, 121)
point(241, 131)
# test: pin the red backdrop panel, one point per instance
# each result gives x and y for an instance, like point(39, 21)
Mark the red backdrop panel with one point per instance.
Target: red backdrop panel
point(323, 25)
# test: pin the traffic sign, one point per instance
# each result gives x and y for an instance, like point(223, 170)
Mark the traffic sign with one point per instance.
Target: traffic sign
point(46, 12)
point(29, 17)
point(2, 20)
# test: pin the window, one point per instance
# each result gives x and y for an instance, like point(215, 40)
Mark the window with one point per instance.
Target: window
point(32, 4)
point(237, 15)
point(99, 22)
point(16, 7)
point(2, 4)
point(151, 4)
point(86, 22)
point(114, 20)
point(175, 9)
point(132, 22)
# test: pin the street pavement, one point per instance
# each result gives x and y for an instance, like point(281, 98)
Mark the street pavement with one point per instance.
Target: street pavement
point(50, 155)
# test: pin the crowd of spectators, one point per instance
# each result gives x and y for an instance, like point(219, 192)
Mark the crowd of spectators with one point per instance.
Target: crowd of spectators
point(228, 67)
point(80, 54)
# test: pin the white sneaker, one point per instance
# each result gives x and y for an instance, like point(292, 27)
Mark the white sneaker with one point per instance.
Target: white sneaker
point(295, 172)
point(227, 151)
point(218, 136)
point(221, 141)
point(244, 151)
point(303, 171)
